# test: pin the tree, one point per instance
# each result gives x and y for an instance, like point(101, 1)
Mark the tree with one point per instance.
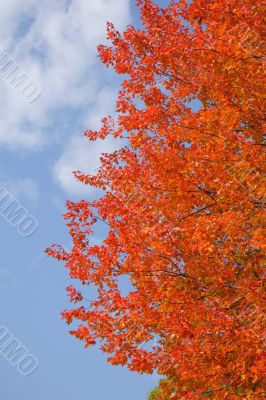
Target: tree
point(183, 203)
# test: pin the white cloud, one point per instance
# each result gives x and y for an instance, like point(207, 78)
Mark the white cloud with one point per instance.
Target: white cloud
point(83, 155)
point(25, 188)
point(55, 43)
point(22, 188)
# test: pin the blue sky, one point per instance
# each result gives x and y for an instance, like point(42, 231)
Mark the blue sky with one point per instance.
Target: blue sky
point(41, 143)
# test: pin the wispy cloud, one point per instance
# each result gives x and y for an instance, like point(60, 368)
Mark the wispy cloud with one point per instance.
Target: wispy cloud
point(55, 42)
point(25, 189)
point(81, 154)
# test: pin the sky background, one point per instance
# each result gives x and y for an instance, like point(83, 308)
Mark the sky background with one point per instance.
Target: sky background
point(41, 143)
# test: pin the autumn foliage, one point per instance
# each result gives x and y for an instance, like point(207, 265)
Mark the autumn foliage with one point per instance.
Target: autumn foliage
point(183, 204)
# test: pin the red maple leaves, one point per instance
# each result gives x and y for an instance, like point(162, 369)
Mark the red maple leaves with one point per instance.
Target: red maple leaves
point(184, 224)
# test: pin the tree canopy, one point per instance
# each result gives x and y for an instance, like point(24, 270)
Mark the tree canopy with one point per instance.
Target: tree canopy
point(183, 202)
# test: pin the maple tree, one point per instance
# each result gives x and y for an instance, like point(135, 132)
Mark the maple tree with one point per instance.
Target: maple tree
point(183, 202)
